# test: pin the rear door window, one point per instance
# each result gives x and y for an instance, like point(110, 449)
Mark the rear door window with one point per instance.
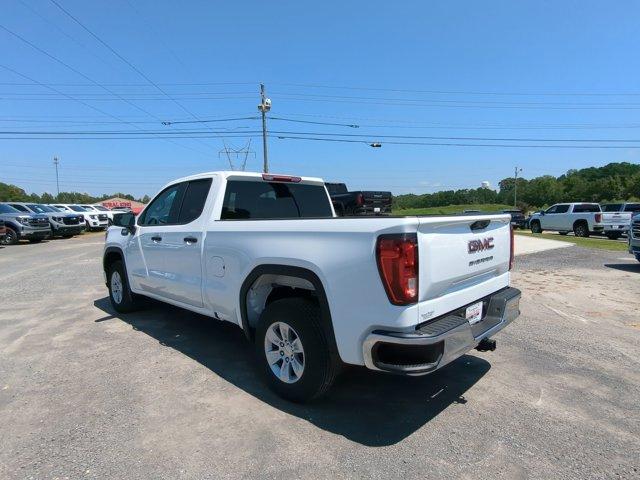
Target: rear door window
point(274, 200)
point(194, 198)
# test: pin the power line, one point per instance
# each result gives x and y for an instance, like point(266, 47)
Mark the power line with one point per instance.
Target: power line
point(460, 92)
point(325, 134)
point(131, 65)
point(15, 72)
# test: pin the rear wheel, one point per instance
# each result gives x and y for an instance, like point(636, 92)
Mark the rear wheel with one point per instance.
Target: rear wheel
point(293, 350)
point(535, 227)
point(123, 300)
point(11, 238)
point(581, 230)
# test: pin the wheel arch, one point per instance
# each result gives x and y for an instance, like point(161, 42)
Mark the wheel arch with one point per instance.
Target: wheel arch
point(580, 221)
point(113, 254)
point(301, 281)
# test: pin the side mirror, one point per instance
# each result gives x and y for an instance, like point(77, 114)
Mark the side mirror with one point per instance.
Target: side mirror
point(126, 220)
point(542, 212)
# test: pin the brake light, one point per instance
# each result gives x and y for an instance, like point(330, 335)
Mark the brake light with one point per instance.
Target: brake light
point(397, 256)
point(598, 217)
point(511, 249)
point(360, 200)
point(280, 178)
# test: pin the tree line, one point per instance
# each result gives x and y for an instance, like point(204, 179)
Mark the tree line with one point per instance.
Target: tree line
point(613, 182)
point(13, 193)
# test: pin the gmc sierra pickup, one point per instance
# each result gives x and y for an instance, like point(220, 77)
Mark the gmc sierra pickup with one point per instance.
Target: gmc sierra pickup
point(405, 295)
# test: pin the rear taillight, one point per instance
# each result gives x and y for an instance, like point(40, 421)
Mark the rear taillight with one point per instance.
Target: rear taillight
point(511, 249)
point(397, 257)
point(360, 200)
point(598, 217)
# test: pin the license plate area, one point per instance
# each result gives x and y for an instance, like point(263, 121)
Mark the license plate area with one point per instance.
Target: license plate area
point(473, 313)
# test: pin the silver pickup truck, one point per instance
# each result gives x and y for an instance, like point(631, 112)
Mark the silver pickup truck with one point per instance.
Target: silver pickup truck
point(617, 217)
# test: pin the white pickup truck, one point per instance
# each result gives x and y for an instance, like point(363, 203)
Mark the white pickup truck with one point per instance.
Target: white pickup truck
point(580, 218)
point(313, 291)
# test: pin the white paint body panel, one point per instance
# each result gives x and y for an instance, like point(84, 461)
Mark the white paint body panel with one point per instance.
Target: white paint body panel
point(340, 251)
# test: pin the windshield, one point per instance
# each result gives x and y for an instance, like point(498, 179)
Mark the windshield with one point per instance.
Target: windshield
point(101, 208)
point(39, 208)
point(89, 208)
point(7, 209)
point(78, 208)
point(632, 207)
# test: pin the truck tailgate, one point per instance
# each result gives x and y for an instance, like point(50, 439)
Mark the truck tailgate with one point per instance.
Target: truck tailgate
point(456, 253)
point(616, 218)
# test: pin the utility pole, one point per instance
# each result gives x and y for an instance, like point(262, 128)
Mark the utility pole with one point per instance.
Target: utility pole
point(515, 187)
point(264, 107)
point(55, 162)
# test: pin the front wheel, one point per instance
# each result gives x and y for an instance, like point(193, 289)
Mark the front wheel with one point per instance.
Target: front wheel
point(293, 350)
point(123, 300)
point(11, 238)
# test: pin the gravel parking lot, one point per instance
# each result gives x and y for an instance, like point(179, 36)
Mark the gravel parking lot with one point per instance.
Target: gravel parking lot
point(164, 393)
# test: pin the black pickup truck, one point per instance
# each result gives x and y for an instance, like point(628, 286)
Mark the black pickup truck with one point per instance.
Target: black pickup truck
point(347, 203)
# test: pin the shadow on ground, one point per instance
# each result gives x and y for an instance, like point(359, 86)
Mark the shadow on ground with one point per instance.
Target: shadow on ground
point(625, 267)
point(369, 408)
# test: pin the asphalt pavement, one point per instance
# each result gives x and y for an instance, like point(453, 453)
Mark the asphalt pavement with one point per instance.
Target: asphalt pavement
point(167, 394)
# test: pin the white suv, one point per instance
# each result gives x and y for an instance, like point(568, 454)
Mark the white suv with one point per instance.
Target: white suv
point(92, 219)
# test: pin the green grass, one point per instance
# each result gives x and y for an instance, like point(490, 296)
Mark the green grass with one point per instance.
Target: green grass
point(602, 243)
point(451, 209)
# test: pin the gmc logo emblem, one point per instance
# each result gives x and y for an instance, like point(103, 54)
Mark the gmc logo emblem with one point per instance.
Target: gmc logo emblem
point(480, 245)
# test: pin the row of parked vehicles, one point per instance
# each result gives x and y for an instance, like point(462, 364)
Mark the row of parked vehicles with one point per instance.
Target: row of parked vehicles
point(35, 221)
point(583, 219)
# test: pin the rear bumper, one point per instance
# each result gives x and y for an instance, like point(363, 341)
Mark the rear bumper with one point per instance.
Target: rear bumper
point(440, 341)
point(616, 228)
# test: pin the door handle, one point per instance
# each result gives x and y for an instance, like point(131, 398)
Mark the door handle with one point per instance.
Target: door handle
point(190, 240)
point(156, 239)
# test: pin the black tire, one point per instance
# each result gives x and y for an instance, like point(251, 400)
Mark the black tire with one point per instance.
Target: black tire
point(129, 301)
point(613, 235)
point(35, 240)
point(11, 238)
point(320, 368)
point(581, 229)
point(563, 233)
point(535, 227)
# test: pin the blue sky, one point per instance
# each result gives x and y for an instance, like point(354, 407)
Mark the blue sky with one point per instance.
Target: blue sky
point(532, 70)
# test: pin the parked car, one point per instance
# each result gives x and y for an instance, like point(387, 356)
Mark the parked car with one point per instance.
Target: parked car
point(620, 220)
point(92, 219)
point(634, 236)
point(405, 295)
point(348, 203)
point(20, 225)
point(3, 231)
point(517, 218)
point(580, 218)
point(101, 211)
point(63, 224)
